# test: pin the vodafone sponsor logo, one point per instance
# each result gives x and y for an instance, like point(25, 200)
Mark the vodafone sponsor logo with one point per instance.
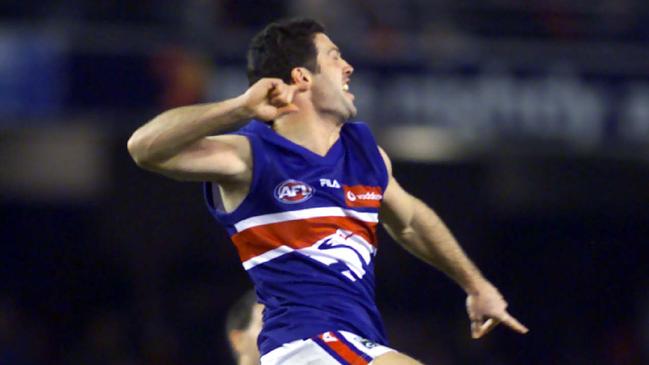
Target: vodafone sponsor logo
point(363, 196)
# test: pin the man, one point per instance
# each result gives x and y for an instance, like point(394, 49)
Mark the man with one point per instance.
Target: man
point(300, 190)
point(242, 326)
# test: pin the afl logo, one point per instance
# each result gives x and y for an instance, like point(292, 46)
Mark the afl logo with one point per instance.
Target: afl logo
point(293, 191)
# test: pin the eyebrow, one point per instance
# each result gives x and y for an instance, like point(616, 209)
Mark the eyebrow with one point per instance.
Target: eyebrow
point(335, 49)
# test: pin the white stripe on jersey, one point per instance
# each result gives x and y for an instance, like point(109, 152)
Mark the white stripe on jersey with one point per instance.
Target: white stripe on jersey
point(266, 256)
point(342, 246)
point(305, 214)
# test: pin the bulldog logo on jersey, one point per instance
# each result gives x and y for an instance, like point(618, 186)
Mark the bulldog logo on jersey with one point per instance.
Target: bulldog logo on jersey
point(363, 196)
point(344, 252)
point(293, 191)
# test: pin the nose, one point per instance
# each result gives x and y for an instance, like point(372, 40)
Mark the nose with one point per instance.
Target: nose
point(348, 69)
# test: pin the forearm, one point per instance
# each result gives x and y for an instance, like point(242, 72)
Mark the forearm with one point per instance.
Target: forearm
point(168, 133)
point(428, 238)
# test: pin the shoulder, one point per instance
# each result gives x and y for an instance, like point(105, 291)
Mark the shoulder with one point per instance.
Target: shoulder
point(386, 160)
point(359, 131)
point(364, 130)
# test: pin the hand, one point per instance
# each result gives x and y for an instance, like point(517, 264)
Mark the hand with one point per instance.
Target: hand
point(487, 308)
point(270, 98)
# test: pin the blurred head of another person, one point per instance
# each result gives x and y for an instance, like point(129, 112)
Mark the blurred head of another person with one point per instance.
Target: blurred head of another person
point(298, 51)
point(242, 325)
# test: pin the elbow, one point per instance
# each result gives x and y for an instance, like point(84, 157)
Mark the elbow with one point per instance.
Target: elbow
point(401, 233)
point(406, 234)
point(137, 149)
point(134, 149)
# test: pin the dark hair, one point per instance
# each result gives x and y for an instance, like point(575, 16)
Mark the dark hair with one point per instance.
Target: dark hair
point(239, 316)
point(240, 313)
point(282, 46)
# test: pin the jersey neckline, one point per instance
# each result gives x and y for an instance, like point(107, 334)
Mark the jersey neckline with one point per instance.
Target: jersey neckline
point(332, 156)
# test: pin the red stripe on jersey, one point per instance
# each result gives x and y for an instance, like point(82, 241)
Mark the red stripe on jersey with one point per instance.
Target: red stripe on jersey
point(330, 340)
point(297, 234)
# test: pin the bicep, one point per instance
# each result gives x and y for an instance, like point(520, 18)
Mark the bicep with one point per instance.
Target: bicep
point(218, 158)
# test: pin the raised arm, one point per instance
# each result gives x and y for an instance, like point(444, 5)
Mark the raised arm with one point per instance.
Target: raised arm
point(179, 143)
point(420, 231)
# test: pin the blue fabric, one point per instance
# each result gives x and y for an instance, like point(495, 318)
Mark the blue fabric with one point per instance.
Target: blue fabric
point(303, 296)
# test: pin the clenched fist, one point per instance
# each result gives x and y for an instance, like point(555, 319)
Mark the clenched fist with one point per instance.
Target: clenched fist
point(270, 98)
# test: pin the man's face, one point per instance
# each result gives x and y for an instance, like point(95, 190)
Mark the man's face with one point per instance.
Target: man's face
point(330, 87)
point(248, 340)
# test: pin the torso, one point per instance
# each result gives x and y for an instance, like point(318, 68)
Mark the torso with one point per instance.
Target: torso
point(305, 230)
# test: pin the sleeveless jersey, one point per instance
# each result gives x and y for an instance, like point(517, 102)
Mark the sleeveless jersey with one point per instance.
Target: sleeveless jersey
point(306, 233)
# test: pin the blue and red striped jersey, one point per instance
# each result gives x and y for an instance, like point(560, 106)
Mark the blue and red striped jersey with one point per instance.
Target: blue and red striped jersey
point(306, 233)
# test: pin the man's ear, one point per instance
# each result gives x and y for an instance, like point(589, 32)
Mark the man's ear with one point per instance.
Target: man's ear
point(301, 77)
point(235, 337)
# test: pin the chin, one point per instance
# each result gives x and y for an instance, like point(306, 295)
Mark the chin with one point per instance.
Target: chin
point(347, 115)
point(351, 111)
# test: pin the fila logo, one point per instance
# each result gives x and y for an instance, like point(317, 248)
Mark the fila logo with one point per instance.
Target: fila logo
point(329, 183)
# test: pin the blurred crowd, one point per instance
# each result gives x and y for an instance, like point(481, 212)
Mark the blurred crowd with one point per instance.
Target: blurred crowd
point(383, 24)
point(555, 19)
point(140, 275)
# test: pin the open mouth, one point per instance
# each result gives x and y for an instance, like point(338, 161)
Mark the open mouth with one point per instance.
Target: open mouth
point(346, 89)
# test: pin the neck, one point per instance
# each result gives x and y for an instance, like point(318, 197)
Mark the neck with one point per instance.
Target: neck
point(308, 129)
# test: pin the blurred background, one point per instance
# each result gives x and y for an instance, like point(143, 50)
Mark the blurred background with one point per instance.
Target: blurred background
point(524, 124)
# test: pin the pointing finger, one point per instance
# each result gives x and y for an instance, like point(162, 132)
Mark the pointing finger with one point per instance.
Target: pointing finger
point(513, 323)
